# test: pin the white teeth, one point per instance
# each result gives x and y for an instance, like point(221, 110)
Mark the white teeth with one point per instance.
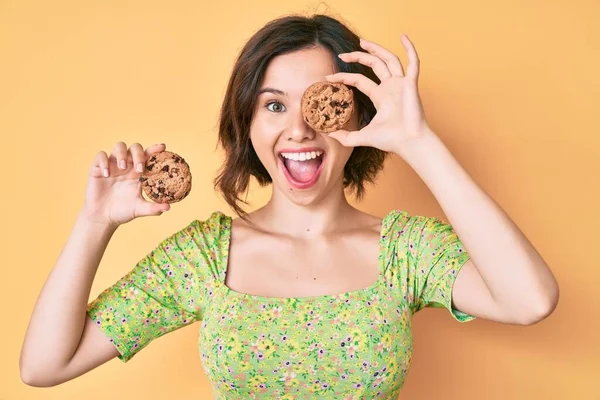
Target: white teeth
point(302, 156)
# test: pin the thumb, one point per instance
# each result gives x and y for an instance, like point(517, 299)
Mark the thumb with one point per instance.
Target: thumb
point(147, 208)
point(348, 139)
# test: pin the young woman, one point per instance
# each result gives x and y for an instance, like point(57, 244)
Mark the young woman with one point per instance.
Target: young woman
point(306, 297)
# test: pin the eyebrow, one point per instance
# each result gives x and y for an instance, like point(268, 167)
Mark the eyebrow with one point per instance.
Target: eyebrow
point(272, 90)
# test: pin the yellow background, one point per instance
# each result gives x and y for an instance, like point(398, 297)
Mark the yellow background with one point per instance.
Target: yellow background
point(511, 87)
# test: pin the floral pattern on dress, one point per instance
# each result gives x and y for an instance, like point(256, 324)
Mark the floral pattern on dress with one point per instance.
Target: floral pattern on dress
point(353, 345)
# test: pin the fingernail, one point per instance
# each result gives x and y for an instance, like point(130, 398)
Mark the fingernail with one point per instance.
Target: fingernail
point(122, 164)
point(105, 173)
point(139, 167)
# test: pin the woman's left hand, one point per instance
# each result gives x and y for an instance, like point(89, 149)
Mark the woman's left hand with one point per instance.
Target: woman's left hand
point(400, 116)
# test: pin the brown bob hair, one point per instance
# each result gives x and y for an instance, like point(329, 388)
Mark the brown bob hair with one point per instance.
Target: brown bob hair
point(281, 36)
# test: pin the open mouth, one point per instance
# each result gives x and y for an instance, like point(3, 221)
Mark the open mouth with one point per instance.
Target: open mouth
point(302, 170)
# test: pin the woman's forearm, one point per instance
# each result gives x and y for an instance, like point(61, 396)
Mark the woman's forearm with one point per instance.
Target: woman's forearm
point(58, 318)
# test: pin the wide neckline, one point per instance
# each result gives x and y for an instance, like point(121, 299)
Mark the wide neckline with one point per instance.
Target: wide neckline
point(227, 226)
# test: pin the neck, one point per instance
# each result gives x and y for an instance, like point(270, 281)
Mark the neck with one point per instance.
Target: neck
point(306, 216)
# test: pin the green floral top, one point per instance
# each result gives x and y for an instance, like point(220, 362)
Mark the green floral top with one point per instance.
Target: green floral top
point(354, 345)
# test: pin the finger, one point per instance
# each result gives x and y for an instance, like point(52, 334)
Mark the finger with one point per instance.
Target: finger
point(120, 154)
point(391, 60)
point(350, 138)
point(157, 148)
point(359, 81)
point(146, 208)
point(413, 59)
point(149, 152)
point(375, 63)
point(100, 166)
point(138, 157)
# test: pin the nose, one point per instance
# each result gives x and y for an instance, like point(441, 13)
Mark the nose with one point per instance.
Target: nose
point(299, 130)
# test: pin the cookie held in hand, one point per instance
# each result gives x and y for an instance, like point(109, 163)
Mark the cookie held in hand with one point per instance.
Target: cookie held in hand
point(327, 106)
point(166, 178)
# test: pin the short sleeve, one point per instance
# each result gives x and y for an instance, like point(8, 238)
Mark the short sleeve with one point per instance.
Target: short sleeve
point(159, 295)
point(435, 256)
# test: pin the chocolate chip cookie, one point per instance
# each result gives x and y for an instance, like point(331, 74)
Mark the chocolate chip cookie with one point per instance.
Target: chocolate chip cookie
point(327, 106)
point(166, 178)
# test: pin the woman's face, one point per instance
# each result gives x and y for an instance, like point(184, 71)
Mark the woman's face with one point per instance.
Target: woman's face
point(278, 127)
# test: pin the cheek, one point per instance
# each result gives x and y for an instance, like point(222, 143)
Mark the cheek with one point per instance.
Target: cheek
point(263, 136)
point(266, 125)
point(345, 154)
point(342, 153)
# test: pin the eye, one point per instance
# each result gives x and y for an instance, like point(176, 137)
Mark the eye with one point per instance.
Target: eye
point(276, 106)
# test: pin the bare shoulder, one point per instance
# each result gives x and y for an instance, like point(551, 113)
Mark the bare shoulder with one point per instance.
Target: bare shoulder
point(362, 226)
point(242, 230)
point(247, 237)
point(370, 222)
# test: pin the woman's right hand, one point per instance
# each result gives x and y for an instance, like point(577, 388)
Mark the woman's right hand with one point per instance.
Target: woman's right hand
point(114, 194)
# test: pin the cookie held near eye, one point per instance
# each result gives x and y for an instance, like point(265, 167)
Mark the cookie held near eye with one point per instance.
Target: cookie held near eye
point(327, 106)
point(166, 178)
